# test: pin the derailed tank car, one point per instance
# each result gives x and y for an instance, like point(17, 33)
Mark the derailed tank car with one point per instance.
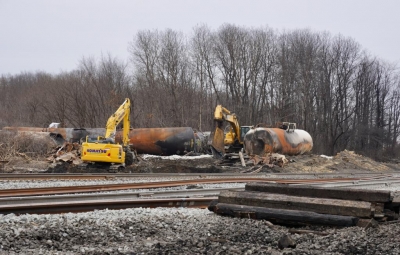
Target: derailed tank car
point(260, 141)
point(164, 141)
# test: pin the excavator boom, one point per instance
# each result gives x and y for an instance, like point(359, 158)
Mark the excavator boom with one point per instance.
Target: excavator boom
point(233, 140)
point(121, 114)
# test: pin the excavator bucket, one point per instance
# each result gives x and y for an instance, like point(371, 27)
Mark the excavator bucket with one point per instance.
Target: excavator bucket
point(217, 139)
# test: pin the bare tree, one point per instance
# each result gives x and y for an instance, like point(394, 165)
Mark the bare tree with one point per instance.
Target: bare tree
point(204, 65)
point(393, 121)
point(144, 52)
point(345, 54)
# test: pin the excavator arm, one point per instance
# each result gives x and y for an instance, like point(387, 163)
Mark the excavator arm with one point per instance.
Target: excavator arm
point(121, 114)
point(219, 141)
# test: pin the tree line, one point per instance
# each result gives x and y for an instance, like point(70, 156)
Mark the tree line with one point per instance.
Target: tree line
point(327, 84)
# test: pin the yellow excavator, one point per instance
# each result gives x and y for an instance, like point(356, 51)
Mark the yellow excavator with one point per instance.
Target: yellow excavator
point(104, 150)
point(232, 141)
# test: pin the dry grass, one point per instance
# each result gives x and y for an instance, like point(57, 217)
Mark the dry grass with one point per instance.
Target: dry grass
point(26, 145)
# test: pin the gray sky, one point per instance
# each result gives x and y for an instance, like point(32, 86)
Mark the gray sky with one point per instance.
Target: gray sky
point(54, 35)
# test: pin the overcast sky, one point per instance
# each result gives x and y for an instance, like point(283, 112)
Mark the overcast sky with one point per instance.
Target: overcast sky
point(54, 35)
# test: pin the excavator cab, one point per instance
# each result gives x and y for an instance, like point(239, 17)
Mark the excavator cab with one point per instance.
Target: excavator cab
point(243, 131)
point(99, 139)
point(231, 137)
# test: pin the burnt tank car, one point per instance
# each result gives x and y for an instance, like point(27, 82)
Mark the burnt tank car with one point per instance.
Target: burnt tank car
point(261, 141)
point(163, 141)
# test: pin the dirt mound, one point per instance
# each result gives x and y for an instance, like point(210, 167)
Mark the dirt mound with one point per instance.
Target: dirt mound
point(344, 161)
point(360, 162)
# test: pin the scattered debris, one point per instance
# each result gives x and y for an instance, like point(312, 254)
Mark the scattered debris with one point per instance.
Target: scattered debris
point(68, 152)
point(242, 159)
point(270, 160)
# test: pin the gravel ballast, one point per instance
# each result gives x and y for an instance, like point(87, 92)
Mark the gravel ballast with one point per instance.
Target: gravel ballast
point(179, 231)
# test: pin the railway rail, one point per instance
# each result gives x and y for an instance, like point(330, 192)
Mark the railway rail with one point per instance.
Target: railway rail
point(199, 198)
point(188, 193)
point(33, 200)
point(356, 184)
point(91, 205)
point(163, 184)
point(106, 176)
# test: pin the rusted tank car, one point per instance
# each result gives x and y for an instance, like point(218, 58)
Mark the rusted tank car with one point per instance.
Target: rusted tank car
point(162, 141)
point(260, 141)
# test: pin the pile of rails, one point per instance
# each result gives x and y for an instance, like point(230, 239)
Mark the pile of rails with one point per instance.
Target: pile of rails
point(305, 205)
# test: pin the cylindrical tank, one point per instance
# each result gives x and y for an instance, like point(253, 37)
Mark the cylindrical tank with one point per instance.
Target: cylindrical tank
point(161, 141)
point(67, 134)
point(260, 141)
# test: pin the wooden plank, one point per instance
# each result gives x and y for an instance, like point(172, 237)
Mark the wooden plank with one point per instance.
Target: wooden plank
point(319, 205)
point(381, 196)
point(378, 209)
point(285, 217)
point(241, 158)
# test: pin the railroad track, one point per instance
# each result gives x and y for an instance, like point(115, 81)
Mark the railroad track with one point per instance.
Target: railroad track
point(187, 193)
point(123, 186)
point(198, 198)
point(107, 176)
point(19, 201)
point(148, 185)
